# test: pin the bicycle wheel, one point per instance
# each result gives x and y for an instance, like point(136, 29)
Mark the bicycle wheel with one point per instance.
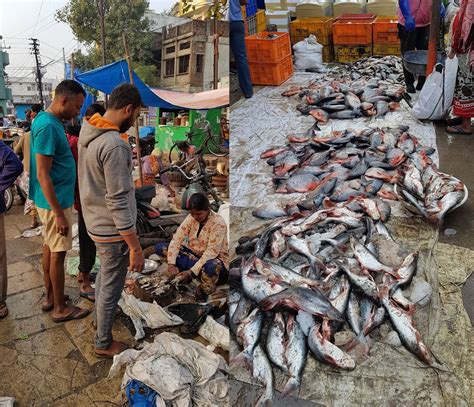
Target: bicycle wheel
point(174, 147)
point(212, 145)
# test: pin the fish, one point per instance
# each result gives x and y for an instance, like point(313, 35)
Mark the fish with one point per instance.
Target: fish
point(353, 313)
point(402, 321)
point(406, 272)
point(328, 353)
point(376, 318)
point(367, 259)
point(276, 342)
point(359, 169)
point(300, 246)
point(306, 321)
point(384, 209)
point(331, 108)
point(244, 306)
point(364, 283)
point(286, 164)
point(352, 101)
point(381, 229)
point(269, 211)
point(413, 182)
point(282, 274)
point(302, 183)
point(395, 157)
point(272, 152)
point(297, 139)
point(345, 114)
point(277, 244)
point(295, 356)
point(257, 287)
point(446, 203)
point(292, 91)
point(378, 173)
point(320, 115)
point(305, 299)
point(248, 334)
point(262, 371)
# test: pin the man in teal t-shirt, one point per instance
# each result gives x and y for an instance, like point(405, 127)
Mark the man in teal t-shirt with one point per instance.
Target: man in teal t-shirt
point(52, 184)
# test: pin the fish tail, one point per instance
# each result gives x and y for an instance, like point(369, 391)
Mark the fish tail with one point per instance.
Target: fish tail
point(291, 388)
point(361, 339)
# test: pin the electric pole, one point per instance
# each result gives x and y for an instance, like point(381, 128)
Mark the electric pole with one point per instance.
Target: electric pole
point(216, 47)
point(65, 66)
point(35, 49)
point(101, 12)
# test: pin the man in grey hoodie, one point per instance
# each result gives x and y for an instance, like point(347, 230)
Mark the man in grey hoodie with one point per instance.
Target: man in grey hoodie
point(108, 205)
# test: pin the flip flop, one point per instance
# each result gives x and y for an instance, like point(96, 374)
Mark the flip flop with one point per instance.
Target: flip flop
point(48, 308)
point(454, 122)
point(458, 130)
point(102, 356)
point(88, 295)
point(77, 313)
point(3, 310)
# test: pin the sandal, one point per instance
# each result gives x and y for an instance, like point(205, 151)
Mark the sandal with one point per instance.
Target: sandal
point(77, 313)
point(457, 121)
point(49, 307)
point(3, 310)
point(458, 130)
point(88, 295)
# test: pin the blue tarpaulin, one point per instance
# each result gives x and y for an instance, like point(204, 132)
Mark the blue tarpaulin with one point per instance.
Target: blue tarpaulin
point(106, 78)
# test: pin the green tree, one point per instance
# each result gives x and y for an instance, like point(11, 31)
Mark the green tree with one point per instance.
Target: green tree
point(121, 16)
point(217, 8)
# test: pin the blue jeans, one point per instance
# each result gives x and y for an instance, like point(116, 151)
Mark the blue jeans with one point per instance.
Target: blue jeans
point(114, 260)
point(237, 44)
point(213, 272)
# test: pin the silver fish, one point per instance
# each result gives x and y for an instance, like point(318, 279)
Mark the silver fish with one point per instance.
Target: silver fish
point(405, 272)
point(300, 298)
point(248, 334)
point(257, 287)
point(368, 259)
point(365, 283)
point(295, 356)
point(301, 246)
point(279, 274)
point(269, 211)
point(262, 371)
point(328, 353)
point(242, 310)
point(306, 321)
point(276, 342)
point(402, 321)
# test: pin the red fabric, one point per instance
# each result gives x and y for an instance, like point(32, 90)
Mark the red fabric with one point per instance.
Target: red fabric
point(73, 140)
point(463, 108)
point(420, 10)
point(463, 32)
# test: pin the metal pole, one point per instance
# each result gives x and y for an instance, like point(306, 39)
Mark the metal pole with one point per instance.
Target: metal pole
point(434, 33)
point(64, 61)
point(38, 68)
point(216, 50)
point(137, 135)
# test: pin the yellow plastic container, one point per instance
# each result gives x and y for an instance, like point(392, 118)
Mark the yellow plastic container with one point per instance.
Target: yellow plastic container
point(351, 53)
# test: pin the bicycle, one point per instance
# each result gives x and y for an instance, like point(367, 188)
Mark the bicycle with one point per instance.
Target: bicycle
point(210, 143)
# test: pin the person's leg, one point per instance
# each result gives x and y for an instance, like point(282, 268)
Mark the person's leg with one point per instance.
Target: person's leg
point(407, 43)
point(87, 253)
point(237, 44)
point(45, 263)
point(209, 277)
point(185, 260)
point(3, 269)
point(421, 43)
point(114, 260)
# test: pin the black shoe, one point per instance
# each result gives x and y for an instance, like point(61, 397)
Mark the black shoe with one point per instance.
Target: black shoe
point(411, 88)
point(420, 85)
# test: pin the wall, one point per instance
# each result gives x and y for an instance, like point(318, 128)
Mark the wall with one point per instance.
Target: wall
point(223, 63)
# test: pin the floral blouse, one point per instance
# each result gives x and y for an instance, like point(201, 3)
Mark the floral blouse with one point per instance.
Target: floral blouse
point(210, 244)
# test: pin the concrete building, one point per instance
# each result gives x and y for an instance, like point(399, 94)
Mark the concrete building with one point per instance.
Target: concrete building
point(188, 56)
point(5, 93)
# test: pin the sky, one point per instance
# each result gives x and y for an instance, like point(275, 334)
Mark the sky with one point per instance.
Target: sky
point(24, 19)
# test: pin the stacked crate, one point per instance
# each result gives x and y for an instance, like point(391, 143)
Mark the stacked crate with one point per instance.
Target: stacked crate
point(261, 21)
point(352, 36)
point(321, 27)
point(385, 36)
point(269, 56)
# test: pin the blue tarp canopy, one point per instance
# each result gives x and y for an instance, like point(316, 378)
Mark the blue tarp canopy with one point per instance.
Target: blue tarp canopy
point(106, 78)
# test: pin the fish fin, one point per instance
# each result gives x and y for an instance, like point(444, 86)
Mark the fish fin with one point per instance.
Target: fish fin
point(291, 388)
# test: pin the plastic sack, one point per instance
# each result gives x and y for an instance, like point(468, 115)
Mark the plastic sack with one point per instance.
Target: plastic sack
point(215, 333)
point(308, 54)
point(436, 97)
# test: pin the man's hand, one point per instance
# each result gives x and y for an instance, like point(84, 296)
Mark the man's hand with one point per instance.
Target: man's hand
point(173, 270)
point(410, 24)
point(62, 225)
point(137, 261)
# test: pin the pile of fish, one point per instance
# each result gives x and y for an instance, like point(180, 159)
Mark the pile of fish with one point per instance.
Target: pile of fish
point(388, 68)
point(308, 277)
point(366, 164)
point(338, 99)
point(432, 193)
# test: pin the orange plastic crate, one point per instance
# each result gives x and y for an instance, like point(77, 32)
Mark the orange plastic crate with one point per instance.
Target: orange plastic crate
point(271, 73)
point(352, 32)
point(354, 17)
point(385, 31)
point(304, 27)
point(262, 49)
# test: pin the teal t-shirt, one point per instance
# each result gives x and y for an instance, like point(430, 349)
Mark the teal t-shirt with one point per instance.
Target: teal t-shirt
point(48, 138)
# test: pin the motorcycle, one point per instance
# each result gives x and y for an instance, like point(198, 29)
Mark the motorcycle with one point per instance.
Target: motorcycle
point(9, 195)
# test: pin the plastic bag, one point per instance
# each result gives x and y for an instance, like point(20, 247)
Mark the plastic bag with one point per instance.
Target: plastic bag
point(308, 54)
point(437, 94)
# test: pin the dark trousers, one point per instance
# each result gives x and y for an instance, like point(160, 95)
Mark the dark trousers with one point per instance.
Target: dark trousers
point(87, 249)
point(213, 273)
point(237, 44)
point(417, 39)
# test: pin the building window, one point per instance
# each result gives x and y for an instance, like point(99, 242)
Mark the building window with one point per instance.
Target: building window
point(183, 64)
point(170, 50)
point(169, 67)
point(185, 45)
point(199, 63)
